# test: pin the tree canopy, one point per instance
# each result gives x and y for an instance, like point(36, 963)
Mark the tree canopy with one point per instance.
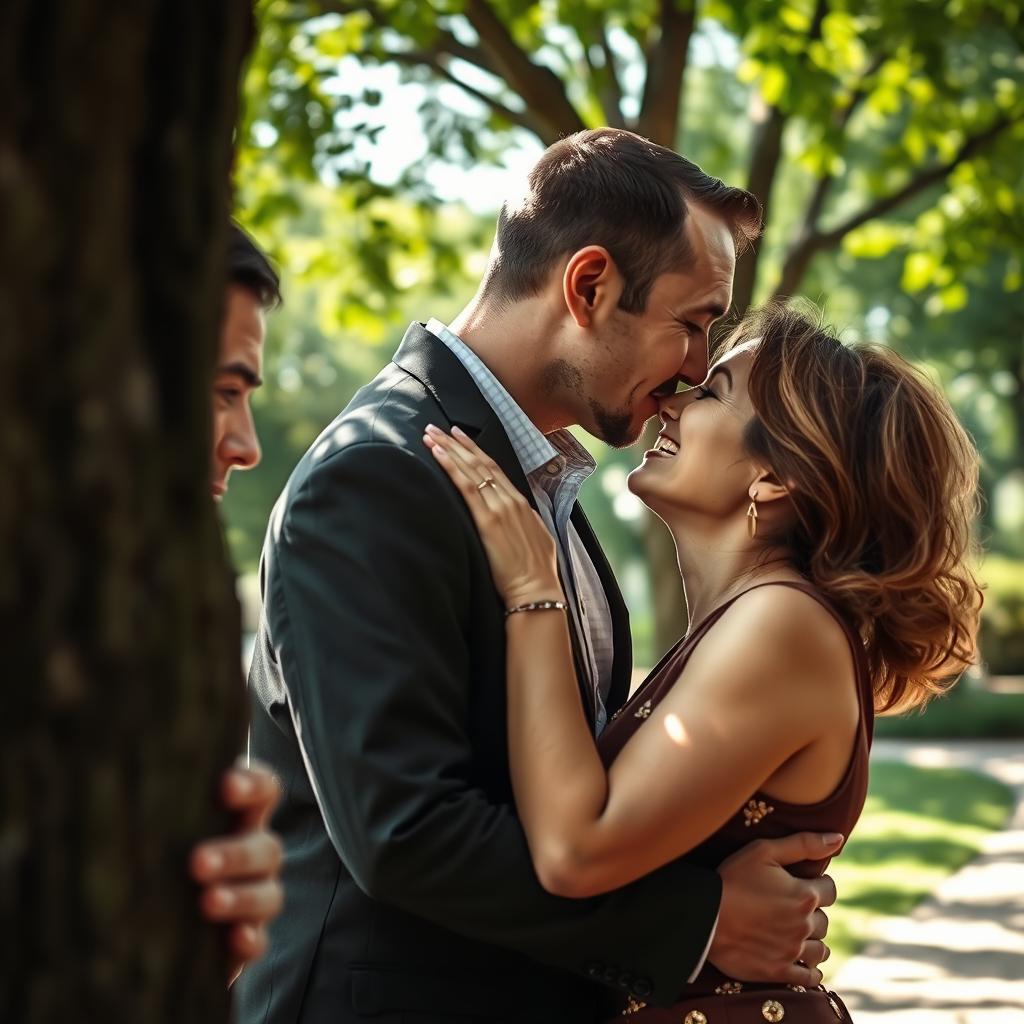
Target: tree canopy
point(883, 138)
point(883, 126)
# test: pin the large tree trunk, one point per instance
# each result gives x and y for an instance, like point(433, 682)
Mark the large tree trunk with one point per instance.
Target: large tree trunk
point(122, 698)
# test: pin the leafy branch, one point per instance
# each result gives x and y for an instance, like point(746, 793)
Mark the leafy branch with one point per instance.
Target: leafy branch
point(814, 239)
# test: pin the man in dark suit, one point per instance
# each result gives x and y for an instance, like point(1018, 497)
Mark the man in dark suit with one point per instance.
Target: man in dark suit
point(378, 678)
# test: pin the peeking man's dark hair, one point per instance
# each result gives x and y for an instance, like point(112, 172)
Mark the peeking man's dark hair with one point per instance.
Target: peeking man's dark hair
point(249, 267)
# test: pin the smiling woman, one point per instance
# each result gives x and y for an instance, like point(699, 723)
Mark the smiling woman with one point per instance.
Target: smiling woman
point(883, 482)
point(821, 499)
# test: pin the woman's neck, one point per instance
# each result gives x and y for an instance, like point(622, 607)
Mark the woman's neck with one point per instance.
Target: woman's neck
point(717, 562)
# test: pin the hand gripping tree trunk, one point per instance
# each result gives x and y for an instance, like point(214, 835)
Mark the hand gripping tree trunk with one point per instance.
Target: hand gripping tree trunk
point(122, 698)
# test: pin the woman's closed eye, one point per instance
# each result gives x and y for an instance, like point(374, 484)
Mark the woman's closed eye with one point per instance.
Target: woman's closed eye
point(703, 391)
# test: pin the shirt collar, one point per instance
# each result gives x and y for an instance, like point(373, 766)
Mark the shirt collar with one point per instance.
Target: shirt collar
point(532, 448)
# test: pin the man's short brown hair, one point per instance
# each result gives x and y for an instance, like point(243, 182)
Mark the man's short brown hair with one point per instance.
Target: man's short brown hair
point(615, 189)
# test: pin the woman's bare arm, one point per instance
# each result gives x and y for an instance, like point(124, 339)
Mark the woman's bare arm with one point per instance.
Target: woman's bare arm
point(740, 710)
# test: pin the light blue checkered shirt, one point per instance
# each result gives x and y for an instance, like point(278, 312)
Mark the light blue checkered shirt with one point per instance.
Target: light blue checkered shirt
point(555, 466)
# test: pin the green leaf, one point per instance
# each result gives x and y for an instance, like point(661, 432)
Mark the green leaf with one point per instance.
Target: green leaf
point(1013, 279)
point(875, 239)
point(748, 71)
point(795, 18)
point(894, 73)
point(918, 270)
point(954, 296)
point(884, 100)
point(915, 143)
point(921, 89)
point(1007, 93)
point(773, 84)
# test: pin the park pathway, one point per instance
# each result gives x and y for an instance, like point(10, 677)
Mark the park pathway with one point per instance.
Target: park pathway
point(958, 958)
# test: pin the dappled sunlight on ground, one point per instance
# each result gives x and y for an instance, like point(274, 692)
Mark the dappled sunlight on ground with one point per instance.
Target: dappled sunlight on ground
point(959, 957)
point(918, 826)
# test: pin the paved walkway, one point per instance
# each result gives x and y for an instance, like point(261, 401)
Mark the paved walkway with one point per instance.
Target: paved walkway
point(959, 957)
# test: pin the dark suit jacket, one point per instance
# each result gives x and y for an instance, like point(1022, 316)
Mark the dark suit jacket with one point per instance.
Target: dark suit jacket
point(378, 684)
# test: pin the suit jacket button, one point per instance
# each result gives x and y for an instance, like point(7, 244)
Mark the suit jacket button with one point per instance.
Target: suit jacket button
point(626, 981)
point(611, 975)
point(593, 969)
point(642, 988)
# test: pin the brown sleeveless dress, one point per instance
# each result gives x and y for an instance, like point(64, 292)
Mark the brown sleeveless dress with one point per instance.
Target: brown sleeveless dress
point(712, 998)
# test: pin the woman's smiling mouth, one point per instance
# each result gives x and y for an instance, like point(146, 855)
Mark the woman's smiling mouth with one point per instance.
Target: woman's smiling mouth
point(665, 446)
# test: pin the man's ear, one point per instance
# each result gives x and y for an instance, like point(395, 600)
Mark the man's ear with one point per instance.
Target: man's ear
point(768, 486)
point(591, 286)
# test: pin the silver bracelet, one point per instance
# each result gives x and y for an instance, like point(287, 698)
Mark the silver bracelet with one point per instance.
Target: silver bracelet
point(537, 606)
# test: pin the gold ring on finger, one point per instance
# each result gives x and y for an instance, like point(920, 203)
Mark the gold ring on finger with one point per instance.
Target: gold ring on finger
point(488, 481)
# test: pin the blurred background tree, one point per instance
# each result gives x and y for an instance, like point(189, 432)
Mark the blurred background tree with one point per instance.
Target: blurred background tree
point(883, 138)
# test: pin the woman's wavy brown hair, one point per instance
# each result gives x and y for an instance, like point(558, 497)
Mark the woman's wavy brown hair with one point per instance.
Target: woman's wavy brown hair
point(884, 482)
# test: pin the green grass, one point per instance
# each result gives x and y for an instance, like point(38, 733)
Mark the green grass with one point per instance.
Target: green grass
point(919, 825)
point(967, 712)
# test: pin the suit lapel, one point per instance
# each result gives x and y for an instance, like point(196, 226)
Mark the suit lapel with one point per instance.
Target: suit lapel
point(493, 439)
point(437, 368)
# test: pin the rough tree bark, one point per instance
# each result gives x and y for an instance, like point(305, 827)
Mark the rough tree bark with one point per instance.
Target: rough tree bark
point(122, 692)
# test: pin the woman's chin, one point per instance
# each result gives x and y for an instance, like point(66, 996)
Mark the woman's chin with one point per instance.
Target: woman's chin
point(654, 493)
point(638, 481)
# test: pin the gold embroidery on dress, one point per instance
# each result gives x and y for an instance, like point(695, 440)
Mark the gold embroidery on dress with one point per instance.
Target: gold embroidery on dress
point(644, 711)
point(755, 811)
point(633, 1006)
point(729, 988)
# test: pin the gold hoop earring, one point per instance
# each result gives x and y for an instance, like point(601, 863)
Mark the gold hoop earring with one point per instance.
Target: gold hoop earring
point(752, 516)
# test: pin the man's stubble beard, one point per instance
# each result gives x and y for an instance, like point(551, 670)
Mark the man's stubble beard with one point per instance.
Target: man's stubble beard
point(613, 426)
point(616, 428)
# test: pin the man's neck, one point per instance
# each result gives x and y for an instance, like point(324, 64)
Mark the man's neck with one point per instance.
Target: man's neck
point(514, 343)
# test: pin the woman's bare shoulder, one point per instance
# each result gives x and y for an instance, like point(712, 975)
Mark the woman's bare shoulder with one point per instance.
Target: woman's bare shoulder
point(785, 633)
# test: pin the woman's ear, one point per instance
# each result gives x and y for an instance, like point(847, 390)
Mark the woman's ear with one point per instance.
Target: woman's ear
point(591, 286)
point(767, 486)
